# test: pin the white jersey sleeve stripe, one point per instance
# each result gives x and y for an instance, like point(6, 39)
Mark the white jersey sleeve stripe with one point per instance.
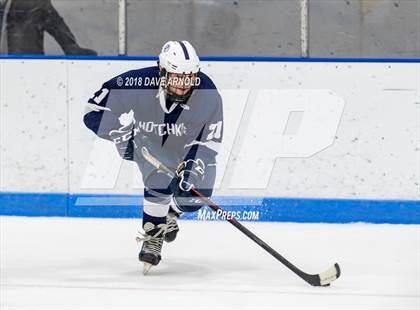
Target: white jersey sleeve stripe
point(212, 145)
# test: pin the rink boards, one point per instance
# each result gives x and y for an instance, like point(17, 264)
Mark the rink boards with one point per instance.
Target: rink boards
point(325, 140)
point(241, 208)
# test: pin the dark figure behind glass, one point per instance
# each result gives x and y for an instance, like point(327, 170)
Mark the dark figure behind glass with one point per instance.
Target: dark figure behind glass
point(26, 22)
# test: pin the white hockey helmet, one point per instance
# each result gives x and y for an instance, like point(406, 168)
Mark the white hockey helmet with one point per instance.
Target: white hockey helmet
point(179, 57)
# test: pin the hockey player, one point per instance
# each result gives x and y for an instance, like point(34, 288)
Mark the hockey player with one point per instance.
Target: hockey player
point(175, 111)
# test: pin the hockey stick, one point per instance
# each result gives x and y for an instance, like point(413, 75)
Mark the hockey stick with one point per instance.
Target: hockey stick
point(322, 279)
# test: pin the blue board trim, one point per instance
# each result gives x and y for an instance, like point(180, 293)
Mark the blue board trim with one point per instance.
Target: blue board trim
point(271, 209)
point(217, 58)
point(33, 204)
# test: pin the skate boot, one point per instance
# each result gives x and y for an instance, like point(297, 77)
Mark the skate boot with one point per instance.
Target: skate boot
point(172, 229)
point(150, 253)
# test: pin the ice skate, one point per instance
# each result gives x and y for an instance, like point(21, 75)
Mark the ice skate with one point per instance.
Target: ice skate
point(150, 253)
point(172, 229)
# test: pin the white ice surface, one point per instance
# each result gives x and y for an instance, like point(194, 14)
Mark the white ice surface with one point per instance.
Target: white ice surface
point(61, 263)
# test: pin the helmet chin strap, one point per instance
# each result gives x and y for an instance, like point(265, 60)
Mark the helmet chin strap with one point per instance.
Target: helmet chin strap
point(162, 100)
point(161, 95)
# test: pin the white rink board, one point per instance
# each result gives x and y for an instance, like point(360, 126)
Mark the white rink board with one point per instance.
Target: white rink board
point(92, 264)
point(374, 154)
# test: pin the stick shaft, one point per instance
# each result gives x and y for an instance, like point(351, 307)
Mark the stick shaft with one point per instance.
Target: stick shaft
point(250, 234)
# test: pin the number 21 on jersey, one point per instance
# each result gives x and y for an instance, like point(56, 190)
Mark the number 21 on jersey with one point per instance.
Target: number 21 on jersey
point(215, 131)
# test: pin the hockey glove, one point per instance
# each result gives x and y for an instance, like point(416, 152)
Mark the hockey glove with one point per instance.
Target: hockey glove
point(190, 173)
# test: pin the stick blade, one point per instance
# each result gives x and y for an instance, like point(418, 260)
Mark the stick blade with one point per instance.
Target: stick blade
point(146, 268)
point(330, 275)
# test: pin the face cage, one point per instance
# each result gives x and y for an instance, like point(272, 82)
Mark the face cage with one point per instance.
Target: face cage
point(172, 97)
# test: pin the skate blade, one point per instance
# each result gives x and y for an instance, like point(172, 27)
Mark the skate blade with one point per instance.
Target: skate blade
point(146, 268)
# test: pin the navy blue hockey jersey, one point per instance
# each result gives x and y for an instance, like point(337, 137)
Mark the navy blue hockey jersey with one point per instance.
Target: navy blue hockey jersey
point(128, 108)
